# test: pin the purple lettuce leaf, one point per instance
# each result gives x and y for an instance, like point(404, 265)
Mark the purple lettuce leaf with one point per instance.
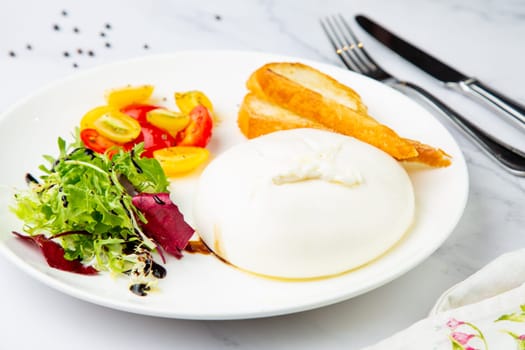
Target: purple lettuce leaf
point(165, 223)
point(54, 255)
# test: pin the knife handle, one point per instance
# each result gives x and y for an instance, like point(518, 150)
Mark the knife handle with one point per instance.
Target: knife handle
point(483, 93)
point(509, 158)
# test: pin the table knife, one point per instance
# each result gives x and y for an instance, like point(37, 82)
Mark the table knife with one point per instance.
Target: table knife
point(443, 72)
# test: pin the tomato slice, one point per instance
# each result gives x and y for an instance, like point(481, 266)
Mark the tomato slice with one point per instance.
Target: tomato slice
point(198, 132)
point(180, 160)
point(96, 142)
point(111, 123)
point(139, 112)
point(125, 96)
point(154, 138)
point(186, 101)
point(93, 114)
point(170, 121)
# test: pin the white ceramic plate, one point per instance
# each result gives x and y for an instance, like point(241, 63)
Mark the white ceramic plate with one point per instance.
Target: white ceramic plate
point(200, 286)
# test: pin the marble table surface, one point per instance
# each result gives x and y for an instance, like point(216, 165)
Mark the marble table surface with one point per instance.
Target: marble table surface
point(483, 38)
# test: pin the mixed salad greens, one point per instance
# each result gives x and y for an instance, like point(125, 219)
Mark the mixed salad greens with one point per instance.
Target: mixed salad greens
point(108, 208)
point(85, 205)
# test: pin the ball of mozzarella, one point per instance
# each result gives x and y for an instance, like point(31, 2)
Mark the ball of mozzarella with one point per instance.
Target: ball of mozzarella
point(303, 203)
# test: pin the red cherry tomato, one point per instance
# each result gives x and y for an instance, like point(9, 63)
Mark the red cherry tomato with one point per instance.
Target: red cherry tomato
point(96, 142)
point(154, 138)
point(139, 112)
point(198, 132)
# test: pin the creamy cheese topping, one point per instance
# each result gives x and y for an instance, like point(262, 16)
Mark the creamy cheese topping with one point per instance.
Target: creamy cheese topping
point(302, 203)
point(318, 166)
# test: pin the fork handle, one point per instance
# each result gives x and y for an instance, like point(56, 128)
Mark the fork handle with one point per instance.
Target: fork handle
point(497, 100)
point(508, 157)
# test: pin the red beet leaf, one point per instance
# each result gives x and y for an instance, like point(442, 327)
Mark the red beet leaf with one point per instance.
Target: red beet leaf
point(54, 255)
point(166, 223)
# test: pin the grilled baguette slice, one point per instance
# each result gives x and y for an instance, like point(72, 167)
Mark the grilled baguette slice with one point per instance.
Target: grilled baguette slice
point(313, 95)
point(258, 117)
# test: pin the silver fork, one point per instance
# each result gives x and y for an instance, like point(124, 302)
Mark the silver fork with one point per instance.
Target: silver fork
point(352, 53)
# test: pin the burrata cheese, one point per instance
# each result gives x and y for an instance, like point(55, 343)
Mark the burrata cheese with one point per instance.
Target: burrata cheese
point(303, 203)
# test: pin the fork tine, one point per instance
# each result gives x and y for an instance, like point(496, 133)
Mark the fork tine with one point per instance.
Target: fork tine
point(332, 41)
point(338, 44)
point(363, 56)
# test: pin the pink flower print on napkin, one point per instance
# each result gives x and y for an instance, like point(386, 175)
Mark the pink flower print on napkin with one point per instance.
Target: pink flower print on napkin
point(453, 323)
point(462, 338)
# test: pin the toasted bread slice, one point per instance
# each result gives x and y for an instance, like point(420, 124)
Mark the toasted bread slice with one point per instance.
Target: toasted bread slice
point(321, 99)
point(318, 82)
point(258, 117)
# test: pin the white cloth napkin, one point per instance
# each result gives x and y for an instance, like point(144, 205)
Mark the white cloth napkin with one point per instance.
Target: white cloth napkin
point(485, 311)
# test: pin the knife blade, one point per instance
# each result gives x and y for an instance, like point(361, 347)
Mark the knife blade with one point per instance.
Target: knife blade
point(444, 73)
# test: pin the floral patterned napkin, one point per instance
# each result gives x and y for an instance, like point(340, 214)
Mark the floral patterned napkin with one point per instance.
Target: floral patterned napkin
point(486, 311)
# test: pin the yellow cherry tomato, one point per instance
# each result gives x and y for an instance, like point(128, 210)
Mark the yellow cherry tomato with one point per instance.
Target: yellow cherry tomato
point(111, 123)
point(128, 95)
point(169, 121)
point(89, 118)
point(186, 101)
point(179, 160)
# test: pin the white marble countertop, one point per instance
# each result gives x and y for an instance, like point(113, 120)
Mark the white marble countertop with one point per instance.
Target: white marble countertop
point(484, 38)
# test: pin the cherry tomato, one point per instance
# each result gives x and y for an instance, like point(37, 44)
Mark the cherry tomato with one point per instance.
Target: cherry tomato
point(139, 112)
point(111, 123)
point(198, 132)
point(154, 138)
point(179, 160)
point(96, 142)
point(171, 121)
point(127, 95)
point(186, 101)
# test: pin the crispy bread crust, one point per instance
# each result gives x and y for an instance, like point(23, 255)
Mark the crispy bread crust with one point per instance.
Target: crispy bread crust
point(276, 102)
point(254, 122)
point(434, 157)
point(312, 105)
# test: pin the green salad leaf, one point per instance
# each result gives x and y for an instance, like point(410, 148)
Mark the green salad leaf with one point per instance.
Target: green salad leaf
point(84, 199)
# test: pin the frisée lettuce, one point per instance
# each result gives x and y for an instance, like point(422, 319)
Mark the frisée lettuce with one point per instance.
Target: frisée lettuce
point(84, 203)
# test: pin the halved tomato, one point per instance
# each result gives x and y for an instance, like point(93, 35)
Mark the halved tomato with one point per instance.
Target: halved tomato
point(179, 160)
point(96, 142)
point(127, 95)
point(187, 101)
point(138, 112)
point(170, 121)
point(154, 138)
point(198, 132)
point(111, 123)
